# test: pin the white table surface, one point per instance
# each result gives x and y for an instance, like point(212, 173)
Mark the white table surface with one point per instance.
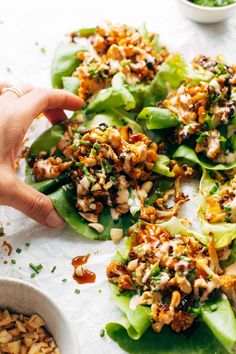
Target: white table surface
point(25, 23)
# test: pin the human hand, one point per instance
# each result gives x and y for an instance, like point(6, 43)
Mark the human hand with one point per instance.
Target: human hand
point(16, 115)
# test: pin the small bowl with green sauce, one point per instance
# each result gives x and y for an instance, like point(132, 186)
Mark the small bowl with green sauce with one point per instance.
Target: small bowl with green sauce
point(208, 11)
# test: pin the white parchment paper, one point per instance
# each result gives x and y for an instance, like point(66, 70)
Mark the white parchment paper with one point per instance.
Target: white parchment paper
point(26, 26)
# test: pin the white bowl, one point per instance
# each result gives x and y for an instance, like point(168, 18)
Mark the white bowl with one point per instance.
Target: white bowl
point(22, 297)
point(205, 14)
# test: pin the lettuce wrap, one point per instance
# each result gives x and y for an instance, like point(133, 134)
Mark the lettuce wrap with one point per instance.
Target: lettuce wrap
point(107, 59)
point(62, 191)
point(214, 331)
point(224, 232)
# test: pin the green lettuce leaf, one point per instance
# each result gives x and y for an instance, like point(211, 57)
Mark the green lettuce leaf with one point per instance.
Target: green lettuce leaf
point(117, 95)
point(135, 322)
point(138, 91)
point(201, 341)
point(113, 117)
point(218, 315)
point(64, 62)
point(158, 118)
point(71, 84)
point(186, 153)
point(171, 74)
point(232, 257)
point(224, 233)
point(161, 166)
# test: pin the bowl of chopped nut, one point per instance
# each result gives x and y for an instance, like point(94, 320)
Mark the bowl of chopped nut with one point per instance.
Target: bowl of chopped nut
point(31, 322)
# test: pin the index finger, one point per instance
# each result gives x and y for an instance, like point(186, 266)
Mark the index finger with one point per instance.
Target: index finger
point(40, 100)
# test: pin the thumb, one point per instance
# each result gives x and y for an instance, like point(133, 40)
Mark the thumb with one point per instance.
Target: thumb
point(34, 204)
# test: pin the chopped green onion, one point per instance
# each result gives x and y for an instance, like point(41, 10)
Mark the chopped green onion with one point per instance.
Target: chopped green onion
point(93, 151)
point(53, 269)
point(13, 261)
point(84, 142)
point(125, 62)
point(18, 250)
point(177, 256)
point(106, 166)
point(113, 179)
point(32, 275)
point(96, 146)
point(27, 244)
point(213, 190)
point(79, 164)
point(36, 268)
point(93, 73)
point(227, 208)
point(64, 280)
point(77, 291)
point(91, 179)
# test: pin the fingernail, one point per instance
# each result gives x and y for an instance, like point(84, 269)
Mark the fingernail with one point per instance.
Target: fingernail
point(54, 220)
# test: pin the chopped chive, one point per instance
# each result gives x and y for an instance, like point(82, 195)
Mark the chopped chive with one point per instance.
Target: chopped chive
point(53, 269)
point(93, 151)
point(213, 190)
point(32, 275)
point(125, 62)
point(84, 142)
point(96, 146)
point(227, 208)
point(178, 256)
point(36, 268)
point(13, 261)
point(91, 179)
point(74, 147)
point(79, 164)
point(27, 244)
point(102, 332)
point(18, 250)
point(77, 291)
point(106, 166)
point(64, 280)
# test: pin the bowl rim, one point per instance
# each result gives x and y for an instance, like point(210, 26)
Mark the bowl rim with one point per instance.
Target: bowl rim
point(208, 8)
point(45, 297)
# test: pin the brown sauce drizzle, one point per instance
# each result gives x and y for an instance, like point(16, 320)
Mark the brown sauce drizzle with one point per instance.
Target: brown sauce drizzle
point(9, 247)
point(87, 276)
